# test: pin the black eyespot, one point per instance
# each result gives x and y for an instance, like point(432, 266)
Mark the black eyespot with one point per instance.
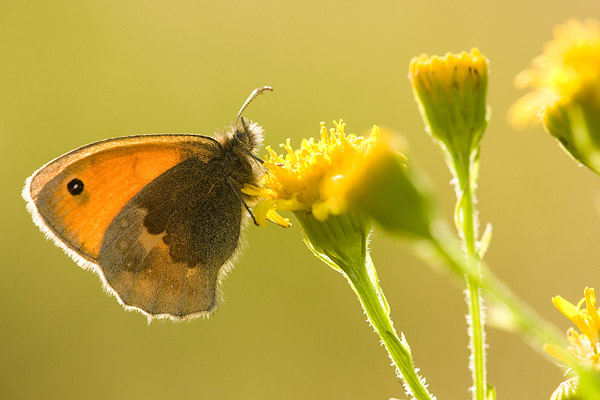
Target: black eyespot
point(75, 187)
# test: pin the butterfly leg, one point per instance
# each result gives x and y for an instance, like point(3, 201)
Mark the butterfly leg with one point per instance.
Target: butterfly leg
point(236, 190)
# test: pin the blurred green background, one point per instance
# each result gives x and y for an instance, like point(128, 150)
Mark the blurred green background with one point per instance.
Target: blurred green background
point(75, 72)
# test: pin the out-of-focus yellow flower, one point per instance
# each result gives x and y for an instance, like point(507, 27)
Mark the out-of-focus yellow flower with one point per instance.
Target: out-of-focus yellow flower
point(568, 68)
point(314, 178)
point(451, 94)
point(584, 346)
point(565, 96)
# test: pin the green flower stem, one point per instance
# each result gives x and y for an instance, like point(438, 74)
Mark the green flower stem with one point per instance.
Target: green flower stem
point(466, 222)
point(520, 315)
point(341, 242)
point(450, 92)
point(477, 340)
point(365, 284)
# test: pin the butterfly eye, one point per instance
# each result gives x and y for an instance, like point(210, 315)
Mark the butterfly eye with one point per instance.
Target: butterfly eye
point(241, 136)
point(75, 186)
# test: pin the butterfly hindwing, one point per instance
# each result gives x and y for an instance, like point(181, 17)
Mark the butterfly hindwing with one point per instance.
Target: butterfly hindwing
point(164, 251)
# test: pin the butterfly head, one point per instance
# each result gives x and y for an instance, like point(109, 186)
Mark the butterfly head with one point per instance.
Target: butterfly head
point(246, 136)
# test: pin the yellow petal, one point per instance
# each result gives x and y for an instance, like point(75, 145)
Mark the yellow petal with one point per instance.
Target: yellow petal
point(568, 309)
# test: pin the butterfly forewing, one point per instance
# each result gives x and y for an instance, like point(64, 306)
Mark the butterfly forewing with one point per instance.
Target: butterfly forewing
point(152, 214)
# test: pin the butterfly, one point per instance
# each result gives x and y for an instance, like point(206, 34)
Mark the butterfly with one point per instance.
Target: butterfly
point(157, 217)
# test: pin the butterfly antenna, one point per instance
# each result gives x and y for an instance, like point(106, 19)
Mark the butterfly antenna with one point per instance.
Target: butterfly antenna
point(252, 96)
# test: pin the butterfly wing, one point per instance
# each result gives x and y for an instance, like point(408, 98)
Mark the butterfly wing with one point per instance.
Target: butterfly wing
point(137, 211)
point(165, 250)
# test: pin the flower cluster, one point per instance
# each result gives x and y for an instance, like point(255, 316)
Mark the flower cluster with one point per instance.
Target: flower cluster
point(316, 177)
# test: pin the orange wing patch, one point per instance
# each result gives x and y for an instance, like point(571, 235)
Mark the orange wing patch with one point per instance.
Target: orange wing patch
point(110, 182)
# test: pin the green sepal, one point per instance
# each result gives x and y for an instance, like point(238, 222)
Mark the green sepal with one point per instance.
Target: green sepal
point(576, 126)
point(340, 240)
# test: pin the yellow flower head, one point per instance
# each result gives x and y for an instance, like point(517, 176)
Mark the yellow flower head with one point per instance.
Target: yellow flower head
point(449, 71)
point(315, 177)
point(451, 94)
point(569, 67)
point(584, 345)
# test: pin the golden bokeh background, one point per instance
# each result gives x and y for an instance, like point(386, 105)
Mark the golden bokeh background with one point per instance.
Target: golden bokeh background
point(75, 72)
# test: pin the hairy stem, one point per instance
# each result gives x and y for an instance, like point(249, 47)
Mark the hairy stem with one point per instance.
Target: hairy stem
point(466, 221)
point(363, 280)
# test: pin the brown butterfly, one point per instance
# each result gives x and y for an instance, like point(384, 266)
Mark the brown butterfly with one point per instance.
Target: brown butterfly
point(157, 217)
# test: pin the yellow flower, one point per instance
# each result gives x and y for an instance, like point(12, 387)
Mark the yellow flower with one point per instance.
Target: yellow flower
point(451, 94)
point(584, 345)
point(313, 178)
point(568, 68)
point(566, 91)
